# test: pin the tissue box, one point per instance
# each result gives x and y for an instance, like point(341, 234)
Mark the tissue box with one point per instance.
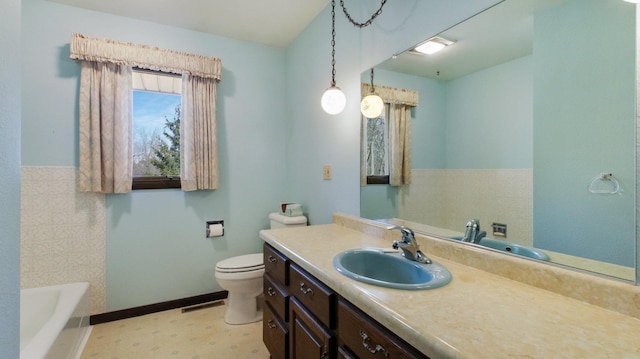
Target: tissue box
point(293, 210)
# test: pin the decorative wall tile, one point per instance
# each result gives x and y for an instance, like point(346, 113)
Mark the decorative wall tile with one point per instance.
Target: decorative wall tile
point(449, 198)
point(63, 232)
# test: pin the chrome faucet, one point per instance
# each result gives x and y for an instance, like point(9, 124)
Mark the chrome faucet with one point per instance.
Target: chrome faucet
point(409, 245)
point(473, 234)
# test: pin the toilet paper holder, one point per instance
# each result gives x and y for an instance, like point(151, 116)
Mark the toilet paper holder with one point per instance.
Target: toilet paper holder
point(215, 228)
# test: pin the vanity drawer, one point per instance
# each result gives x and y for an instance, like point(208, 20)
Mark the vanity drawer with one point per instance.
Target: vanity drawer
point(275, 334)
point(276, 296)
point(276, 264)
point(367, 339)
point(318, 298)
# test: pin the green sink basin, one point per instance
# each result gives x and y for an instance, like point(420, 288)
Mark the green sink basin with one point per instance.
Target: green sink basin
point(390, 270)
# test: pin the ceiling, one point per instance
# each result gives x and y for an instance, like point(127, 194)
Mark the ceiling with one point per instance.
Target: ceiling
point(495, 36)
point(273, 22)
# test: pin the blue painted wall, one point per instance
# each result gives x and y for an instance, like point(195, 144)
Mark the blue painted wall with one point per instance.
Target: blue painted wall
point(600, 107)
point(10, 21)
point(316, 138)
point(273, 137)
point(156, 248)
point(428, 123)
point(489, 118)
point(480, 121)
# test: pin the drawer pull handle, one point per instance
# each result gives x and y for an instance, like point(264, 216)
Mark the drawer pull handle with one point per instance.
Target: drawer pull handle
point(373, 350)
point(272, 259)
point(271, 292)
point(271, 324)
point(305, 290)
point(325, 352)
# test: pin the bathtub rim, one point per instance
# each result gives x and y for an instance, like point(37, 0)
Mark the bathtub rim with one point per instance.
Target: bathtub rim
point(71, 295)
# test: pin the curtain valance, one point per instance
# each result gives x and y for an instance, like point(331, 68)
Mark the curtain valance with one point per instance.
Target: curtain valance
point(143, 56)
point(393, 95)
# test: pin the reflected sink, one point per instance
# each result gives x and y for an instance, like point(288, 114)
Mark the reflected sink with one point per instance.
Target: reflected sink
point(511, 248)
point(390, 270)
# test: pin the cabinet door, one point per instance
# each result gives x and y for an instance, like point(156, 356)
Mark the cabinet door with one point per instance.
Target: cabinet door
point(309, 339)
point(274, 334)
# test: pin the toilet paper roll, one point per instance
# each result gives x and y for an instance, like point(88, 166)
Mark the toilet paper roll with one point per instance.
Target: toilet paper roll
point(216, 230)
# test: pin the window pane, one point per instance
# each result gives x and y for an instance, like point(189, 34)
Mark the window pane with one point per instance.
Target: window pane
point(377, 149)
point(156, 140)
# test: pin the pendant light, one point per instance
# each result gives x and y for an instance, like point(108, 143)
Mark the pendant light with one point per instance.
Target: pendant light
point(372, 105)
point(333, 99)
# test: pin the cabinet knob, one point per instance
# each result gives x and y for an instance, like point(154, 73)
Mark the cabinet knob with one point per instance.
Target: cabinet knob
point(271, 324)
point(304, 290)
point(372, 349)
point(271, 259)
point(271, 292)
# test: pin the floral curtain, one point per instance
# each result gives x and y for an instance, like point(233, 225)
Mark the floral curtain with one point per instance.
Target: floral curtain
point(106, 150)
point(106, 136)
point(199, 155)
point(400, 144)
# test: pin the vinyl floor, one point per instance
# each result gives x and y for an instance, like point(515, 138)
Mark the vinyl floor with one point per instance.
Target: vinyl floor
point(198, 334)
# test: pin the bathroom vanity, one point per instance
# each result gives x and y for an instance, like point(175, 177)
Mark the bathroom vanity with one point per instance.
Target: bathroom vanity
point(312, 311)
point(301, 318)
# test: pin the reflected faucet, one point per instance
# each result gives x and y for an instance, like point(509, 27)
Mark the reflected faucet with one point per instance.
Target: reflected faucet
point(409, 245)
point(473, 234)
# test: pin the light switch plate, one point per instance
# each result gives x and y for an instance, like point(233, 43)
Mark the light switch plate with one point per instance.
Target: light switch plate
point(326, 172)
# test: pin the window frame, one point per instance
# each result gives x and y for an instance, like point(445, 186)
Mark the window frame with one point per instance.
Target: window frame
point(156, 182)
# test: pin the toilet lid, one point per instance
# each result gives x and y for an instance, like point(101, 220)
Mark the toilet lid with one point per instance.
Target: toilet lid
point(243, 263)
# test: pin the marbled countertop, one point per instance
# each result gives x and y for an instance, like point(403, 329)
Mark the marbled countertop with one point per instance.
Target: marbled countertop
point(477, 315)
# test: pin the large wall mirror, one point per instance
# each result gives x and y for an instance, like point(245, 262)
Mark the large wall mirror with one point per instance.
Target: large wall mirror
point(528, 119)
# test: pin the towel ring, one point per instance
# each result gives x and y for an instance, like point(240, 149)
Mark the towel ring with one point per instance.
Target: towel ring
point(609, 180)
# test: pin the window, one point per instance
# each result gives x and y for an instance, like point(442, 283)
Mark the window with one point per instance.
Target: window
point(156, 129)
point(377, 148)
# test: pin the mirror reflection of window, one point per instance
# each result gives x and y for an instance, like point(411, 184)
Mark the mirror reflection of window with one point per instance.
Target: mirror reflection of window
point(377, 148)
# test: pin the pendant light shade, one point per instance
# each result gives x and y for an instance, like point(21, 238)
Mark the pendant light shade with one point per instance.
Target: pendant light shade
point(333, 100)
point(371, 106)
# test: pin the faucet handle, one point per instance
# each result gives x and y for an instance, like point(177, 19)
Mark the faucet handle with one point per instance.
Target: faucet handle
point(407, 233)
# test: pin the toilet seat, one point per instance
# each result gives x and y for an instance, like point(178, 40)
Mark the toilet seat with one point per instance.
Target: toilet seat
point(243, 263)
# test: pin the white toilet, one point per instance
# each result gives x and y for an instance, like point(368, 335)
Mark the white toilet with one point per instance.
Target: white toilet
point(241, 276)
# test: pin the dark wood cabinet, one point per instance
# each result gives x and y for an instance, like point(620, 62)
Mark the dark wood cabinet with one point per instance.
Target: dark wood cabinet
point(275, 334)
point(309, 338)
point(276, 295)
point(305, 319)
point(315, 296)
point(363, 338)
point(275, 316)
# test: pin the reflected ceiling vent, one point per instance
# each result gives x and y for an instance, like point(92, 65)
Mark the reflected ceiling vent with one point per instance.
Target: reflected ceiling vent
point(432, 45)
point(155, 81)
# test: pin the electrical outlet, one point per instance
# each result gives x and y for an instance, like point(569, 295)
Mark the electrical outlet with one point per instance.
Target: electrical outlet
point(499, 230)
point(326, 172)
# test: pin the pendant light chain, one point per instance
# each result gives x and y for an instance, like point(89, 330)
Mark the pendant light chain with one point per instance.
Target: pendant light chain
point(366, 23)
point(333, 42)
point(373, 89)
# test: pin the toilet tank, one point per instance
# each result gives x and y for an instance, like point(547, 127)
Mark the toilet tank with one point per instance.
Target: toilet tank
point(280, 221)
